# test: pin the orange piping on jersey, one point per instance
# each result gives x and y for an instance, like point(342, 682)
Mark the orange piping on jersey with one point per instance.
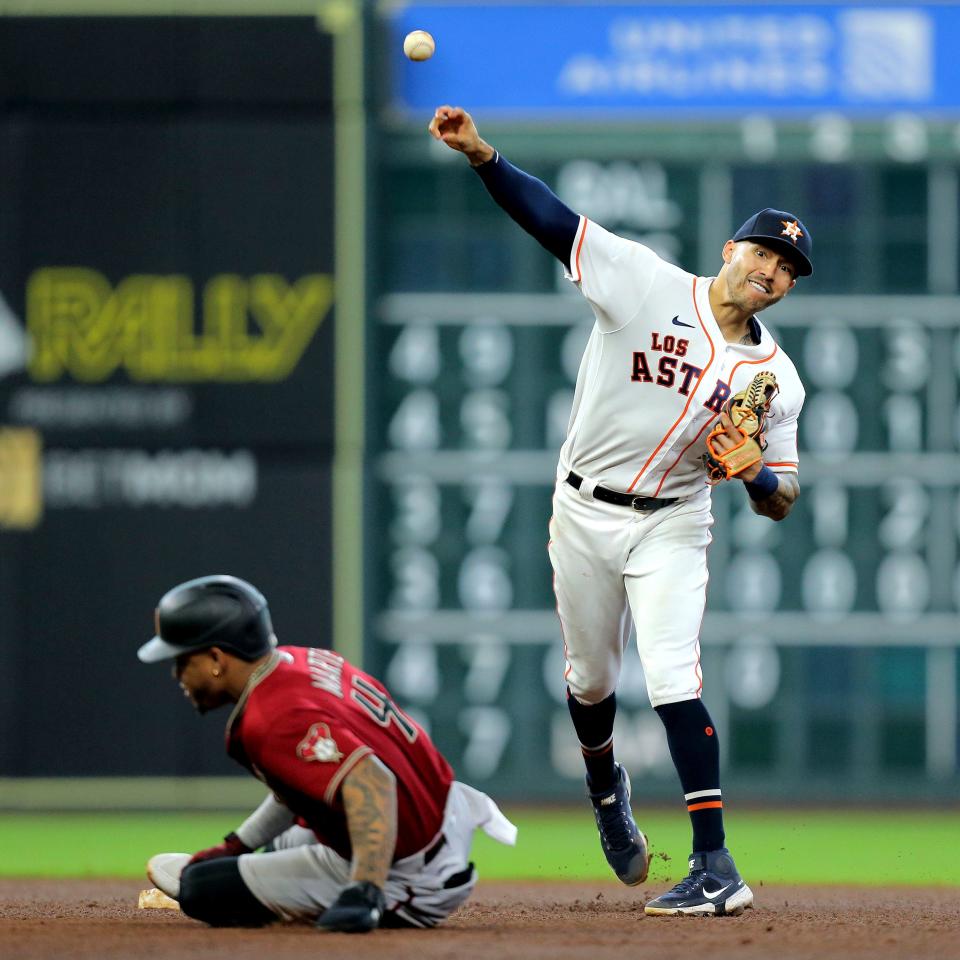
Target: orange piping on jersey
point(656, 492)
point(736, 367)
point(686, 406)
point(783, 463)
point(710, 804)
point(583, 233)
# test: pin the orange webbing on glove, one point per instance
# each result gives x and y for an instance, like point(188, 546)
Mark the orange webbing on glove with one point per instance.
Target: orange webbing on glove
point(748, 410)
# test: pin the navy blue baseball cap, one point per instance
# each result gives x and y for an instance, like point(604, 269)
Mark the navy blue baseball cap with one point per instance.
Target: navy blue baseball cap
point(784, 232)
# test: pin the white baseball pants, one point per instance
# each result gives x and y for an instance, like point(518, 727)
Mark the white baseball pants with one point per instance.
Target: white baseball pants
point(610, 562)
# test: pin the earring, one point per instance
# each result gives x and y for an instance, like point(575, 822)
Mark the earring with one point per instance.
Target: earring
point(216, 671)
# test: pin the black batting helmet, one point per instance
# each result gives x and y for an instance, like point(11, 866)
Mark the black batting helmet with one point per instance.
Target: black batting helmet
point(218, 611)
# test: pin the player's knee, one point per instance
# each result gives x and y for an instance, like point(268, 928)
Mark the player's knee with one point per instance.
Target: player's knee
point(589, 691)
point(670, 687)
point(214, 892)
point(293, 837)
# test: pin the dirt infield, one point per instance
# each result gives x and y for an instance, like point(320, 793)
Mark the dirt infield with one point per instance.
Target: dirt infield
point(99, 920)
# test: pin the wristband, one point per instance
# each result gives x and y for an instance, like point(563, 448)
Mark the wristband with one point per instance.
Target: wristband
point(764, 485)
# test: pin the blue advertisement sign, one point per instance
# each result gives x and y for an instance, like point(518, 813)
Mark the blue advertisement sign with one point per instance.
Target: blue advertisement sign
point(557, 60)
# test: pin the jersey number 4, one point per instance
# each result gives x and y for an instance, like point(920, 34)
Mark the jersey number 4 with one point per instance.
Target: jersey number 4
point(381, 708)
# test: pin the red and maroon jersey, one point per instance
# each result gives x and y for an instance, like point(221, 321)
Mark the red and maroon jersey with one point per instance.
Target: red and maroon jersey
point(304, 722)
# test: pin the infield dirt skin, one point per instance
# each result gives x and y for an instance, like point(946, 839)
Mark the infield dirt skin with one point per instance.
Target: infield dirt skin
point(42, 919)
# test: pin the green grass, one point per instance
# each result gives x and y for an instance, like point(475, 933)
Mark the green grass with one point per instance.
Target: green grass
point(788, 846)
point(784, 846)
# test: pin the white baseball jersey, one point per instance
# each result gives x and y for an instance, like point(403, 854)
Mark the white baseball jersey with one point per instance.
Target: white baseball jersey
point(656, 372)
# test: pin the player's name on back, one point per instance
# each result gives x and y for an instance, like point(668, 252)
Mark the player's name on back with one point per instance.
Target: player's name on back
point(326, 670)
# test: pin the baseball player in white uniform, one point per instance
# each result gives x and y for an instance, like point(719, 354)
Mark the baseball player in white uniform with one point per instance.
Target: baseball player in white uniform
point(668, 354)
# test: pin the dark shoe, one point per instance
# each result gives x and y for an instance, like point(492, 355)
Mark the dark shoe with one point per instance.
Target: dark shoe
point(358, 909)
point(713, 886)
point(624, 846)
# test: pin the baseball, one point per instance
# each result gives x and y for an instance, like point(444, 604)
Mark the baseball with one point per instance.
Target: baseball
point(418, 45)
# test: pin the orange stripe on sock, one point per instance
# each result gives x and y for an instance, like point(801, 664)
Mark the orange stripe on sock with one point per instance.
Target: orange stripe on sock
point(595, 751)
point(704, 806)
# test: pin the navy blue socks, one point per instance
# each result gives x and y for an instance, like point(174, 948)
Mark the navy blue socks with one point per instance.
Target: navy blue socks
point(696, 755)
point(594, 726)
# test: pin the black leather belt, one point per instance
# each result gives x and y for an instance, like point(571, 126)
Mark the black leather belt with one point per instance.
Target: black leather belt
point(622, 499)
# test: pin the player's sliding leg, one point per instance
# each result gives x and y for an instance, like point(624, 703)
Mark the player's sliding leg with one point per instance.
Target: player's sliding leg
point(213, 891)
point(164, 869)
point(295, 836)
point(252, 890)
point(713, 885)
point(608, 787)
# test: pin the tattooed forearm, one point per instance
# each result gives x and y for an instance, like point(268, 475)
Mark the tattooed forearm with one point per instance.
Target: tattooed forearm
point(780, 502)
point(370, 800)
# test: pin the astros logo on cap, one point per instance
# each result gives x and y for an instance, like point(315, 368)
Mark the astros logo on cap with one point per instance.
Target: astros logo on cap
point(791, 230)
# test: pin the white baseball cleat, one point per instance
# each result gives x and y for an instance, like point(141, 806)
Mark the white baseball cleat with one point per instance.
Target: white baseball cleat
point(164, 869)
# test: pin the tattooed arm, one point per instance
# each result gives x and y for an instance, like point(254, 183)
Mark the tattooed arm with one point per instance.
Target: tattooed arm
point(370, 799)
point(781, 501)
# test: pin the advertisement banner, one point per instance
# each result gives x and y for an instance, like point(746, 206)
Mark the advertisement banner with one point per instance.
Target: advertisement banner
point(166, 365)
point(544, 61)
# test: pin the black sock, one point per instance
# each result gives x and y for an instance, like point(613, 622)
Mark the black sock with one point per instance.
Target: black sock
point(696, 755)
point(594, 725)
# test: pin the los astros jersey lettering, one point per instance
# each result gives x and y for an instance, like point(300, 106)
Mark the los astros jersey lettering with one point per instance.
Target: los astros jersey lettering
point(656, 339)
point(306, 720)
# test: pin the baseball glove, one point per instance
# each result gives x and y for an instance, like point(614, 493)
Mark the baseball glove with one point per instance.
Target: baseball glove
point(748, 410)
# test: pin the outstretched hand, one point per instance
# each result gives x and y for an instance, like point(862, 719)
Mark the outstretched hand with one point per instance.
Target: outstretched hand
point(455, 127)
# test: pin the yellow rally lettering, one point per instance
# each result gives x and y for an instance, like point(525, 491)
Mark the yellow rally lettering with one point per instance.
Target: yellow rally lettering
point(252, 329)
